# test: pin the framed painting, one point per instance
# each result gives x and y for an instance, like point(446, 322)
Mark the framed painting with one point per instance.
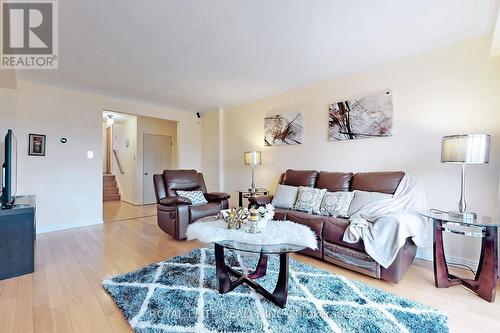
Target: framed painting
point(37, 145)
point(284, 129)
point(367, 117)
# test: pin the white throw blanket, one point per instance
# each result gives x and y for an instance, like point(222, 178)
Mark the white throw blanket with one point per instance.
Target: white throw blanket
point(384, 225)
point(209, 230)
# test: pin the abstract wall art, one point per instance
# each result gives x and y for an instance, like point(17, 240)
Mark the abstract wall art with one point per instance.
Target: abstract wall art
point(359, 118)
point(284, 129)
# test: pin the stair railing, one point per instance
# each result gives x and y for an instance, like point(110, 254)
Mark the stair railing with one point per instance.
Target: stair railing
point(118, 161)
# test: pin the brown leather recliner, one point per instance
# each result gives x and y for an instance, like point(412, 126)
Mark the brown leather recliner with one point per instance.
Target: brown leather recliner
point(330, 230)
point(175, 212)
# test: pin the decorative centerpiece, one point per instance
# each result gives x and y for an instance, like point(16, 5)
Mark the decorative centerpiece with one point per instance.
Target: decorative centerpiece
point(234, 217)
point(253, 221)
point(266, 214)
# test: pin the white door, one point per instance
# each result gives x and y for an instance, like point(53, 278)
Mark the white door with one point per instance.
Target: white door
point(157, 157)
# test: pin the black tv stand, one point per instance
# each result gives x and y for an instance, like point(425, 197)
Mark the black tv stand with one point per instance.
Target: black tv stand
point(17, 237)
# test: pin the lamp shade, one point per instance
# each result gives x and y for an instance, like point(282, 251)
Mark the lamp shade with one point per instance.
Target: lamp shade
point(467, 149)
point(252, 157)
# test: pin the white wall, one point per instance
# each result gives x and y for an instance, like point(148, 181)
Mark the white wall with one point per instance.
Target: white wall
point(68, 186)
point(132, 157)
point(104, 143)
point(449, 90)
point(211, 152)
point(127, 184)
point(8, 118)
point(148, 125)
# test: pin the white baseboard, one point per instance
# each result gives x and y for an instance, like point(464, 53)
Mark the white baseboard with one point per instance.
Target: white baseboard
point(58, 227)
point(427, 255)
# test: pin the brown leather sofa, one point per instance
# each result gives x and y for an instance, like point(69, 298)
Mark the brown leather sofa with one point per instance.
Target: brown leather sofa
point(175, 212)
point(330, 230)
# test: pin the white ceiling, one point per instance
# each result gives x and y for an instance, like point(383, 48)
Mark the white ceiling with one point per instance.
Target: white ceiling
point(197, 55)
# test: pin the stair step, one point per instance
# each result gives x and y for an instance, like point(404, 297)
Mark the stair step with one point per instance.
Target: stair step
point(111, 197)
point(110, 184)
point(108, 178)
point(110, 191)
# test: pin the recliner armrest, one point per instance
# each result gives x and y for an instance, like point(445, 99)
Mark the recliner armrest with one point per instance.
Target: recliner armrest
point(175, 200)
point(261, 200)
point(216, 196)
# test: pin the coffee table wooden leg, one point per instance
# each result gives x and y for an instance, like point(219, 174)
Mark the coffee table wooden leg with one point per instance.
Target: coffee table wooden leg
point(487, 273)
point(261, 268)
point(223, 280)
point(224, 283)
point(280, 293)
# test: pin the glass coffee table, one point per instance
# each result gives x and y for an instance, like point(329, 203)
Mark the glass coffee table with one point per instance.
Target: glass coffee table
point(224, 272)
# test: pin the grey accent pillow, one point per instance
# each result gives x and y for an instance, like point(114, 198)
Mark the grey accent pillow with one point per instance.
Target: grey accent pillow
point(309, 199)
point(285, 196)
point(196, 197)
point(362, 198)
point(336, 204)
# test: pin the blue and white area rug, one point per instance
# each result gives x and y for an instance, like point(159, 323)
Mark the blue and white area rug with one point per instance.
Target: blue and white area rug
point(180, 295)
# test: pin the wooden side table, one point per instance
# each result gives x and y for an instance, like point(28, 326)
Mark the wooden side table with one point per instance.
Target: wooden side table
point(247, 194)
point(486, 278)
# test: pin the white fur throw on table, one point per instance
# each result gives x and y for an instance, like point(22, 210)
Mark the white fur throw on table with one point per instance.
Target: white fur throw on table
point(209, 230)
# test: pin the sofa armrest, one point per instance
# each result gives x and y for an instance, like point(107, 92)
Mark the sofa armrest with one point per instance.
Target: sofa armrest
point(175, 200)
point(216, 196)
point(260, 200)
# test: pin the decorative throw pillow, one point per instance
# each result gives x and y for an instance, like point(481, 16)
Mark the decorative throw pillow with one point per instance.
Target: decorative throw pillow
point(309, 199)
point(362, 198)
point(335, 204)
point(196, 197)
point(285, 196)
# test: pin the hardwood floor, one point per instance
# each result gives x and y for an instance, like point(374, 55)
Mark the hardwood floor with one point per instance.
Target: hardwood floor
point(120, 211)
point(64, 294)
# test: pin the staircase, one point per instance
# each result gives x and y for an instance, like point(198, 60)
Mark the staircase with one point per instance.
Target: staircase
point(110, 188)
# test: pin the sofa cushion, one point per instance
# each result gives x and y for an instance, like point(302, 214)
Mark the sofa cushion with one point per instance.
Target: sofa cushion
point(333, 232)
point(334, 181)
point(336, 204)
point(285, 196)
point(362, 198)
point(315, 222)
point(300, 177)
point(384, 182)
point(309, 199)
point(197, 212)
point(196, 197)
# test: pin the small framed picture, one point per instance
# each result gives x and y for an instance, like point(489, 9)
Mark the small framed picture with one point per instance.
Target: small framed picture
point(36, 145)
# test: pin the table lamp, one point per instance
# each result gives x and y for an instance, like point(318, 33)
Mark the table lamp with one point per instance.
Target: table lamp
point(252, 158)
point(465, 149)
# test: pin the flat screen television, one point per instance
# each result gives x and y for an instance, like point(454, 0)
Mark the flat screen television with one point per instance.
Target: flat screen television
point(9, 171)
